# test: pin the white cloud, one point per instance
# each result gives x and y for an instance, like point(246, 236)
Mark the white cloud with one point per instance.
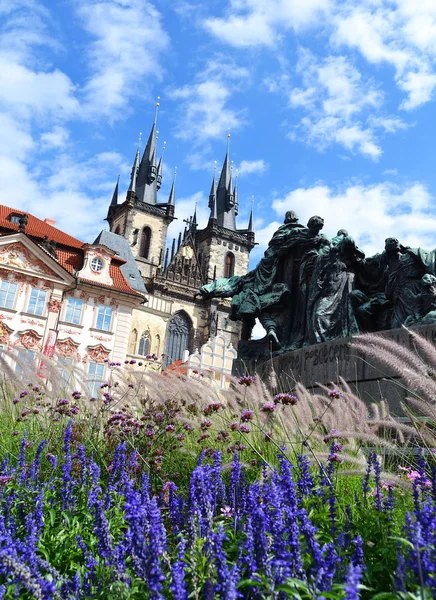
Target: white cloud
point(400, 33)
point(128, 41)
point(255, 22)
point(204, 105)
point(248, 167)
point(28, 93)
point(56, 138)
point(336, 100)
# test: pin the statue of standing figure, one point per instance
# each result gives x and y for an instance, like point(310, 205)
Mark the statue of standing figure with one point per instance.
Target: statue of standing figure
point(308, 289)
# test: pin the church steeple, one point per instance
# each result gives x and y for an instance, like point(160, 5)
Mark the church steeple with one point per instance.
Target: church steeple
point(159, 168)
point(225, 195)
point(146, 184)
point(114, 200)
point(131, 192)
point(171, 204)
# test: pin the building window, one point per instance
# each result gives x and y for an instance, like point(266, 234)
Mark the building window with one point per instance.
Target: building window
point(8, 291)
point(97, 265)
point(229, 265)
point(95, 377)
point(133, 341)
point(73, 314)
point(117, 230)
point(144, 344)
point(177, 340)
point(66, 368)
point(37, 301)
point(145, 242)
point(25, 360)
point(13, 218)
point(104, 317)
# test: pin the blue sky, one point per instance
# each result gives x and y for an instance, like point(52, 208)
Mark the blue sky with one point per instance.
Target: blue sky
point(330, 105)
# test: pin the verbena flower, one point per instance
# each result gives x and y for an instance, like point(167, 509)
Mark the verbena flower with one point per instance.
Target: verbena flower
point(247, 380)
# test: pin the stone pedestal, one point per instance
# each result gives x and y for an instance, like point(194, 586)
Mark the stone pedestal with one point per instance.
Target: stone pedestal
point(324, 363)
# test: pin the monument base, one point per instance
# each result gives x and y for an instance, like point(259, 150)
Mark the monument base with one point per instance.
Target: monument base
point(325, 363)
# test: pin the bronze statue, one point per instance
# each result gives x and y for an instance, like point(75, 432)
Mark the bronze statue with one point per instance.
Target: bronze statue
point(308, 289)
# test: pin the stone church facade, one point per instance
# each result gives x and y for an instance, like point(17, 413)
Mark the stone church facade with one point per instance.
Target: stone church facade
point(174, 322)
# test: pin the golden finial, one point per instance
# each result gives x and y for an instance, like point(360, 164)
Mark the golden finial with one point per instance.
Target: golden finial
point(157, 108)
point(237, 173)
point(228, 141)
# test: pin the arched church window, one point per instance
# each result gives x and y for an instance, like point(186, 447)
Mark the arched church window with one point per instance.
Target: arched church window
point(177, 339)
point(144, 344)
point(117, 230)
point(133, 340)
point(229, 265)
point(145, 242)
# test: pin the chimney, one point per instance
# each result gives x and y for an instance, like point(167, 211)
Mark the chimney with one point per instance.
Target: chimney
point(49, 221)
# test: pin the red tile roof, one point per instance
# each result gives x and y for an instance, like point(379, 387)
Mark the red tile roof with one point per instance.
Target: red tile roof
point(69, 250)
point(37, 228)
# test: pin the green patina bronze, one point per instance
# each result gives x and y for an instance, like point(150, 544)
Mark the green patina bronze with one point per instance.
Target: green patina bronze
point(308, 289)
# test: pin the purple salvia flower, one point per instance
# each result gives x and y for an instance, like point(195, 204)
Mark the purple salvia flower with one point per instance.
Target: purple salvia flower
point(365, 481)
point(154, 551)
point(36, 463)
point(305, 479)
point(400, 574)
point(354, 575)
point(67, 480)
point(219, 487)
point(358, 559)
point(21, 465)
point(378, 492)
point(178, 585)
point(220, 560)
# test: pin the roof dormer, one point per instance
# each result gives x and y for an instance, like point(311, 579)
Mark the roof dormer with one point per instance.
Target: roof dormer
point(96, 264)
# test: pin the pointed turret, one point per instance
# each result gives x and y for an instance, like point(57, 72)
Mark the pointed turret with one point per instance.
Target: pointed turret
point(250, 223)
point(146, 185)
point(159, 168)
point(114, 200)
point(212, 195)
point(171, 204)
point(224, 197)
point(194, 220)
point(235, 195)
point(131, 193)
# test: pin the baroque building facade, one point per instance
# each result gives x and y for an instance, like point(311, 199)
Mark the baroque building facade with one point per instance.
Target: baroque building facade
point(64, 299)
point(174, 322)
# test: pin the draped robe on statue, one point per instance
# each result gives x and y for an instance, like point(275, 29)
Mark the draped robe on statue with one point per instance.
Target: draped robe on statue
point(403, 286)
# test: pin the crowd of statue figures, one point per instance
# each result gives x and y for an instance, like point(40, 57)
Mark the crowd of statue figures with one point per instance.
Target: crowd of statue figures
point(308, 288)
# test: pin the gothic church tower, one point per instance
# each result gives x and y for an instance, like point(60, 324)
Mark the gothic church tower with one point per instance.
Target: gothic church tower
point(141, 218)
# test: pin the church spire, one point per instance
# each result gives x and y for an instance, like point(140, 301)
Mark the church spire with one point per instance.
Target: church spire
point(224, 196)
point(171, 204)
point(250, 228)
point(235, 194)
point(146, 184)
point(114, 200)
point(134, 174)
point(160, 167)
point(212, 195)
point(194, 220)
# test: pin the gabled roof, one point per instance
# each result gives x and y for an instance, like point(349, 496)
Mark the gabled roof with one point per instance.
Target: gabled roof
point(37, 228)
point(121, 246)
point(70, 251)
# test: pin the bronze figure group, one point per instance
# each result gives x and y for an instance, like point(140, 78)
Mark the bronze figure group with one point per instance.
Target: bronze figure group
point(308, 288)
